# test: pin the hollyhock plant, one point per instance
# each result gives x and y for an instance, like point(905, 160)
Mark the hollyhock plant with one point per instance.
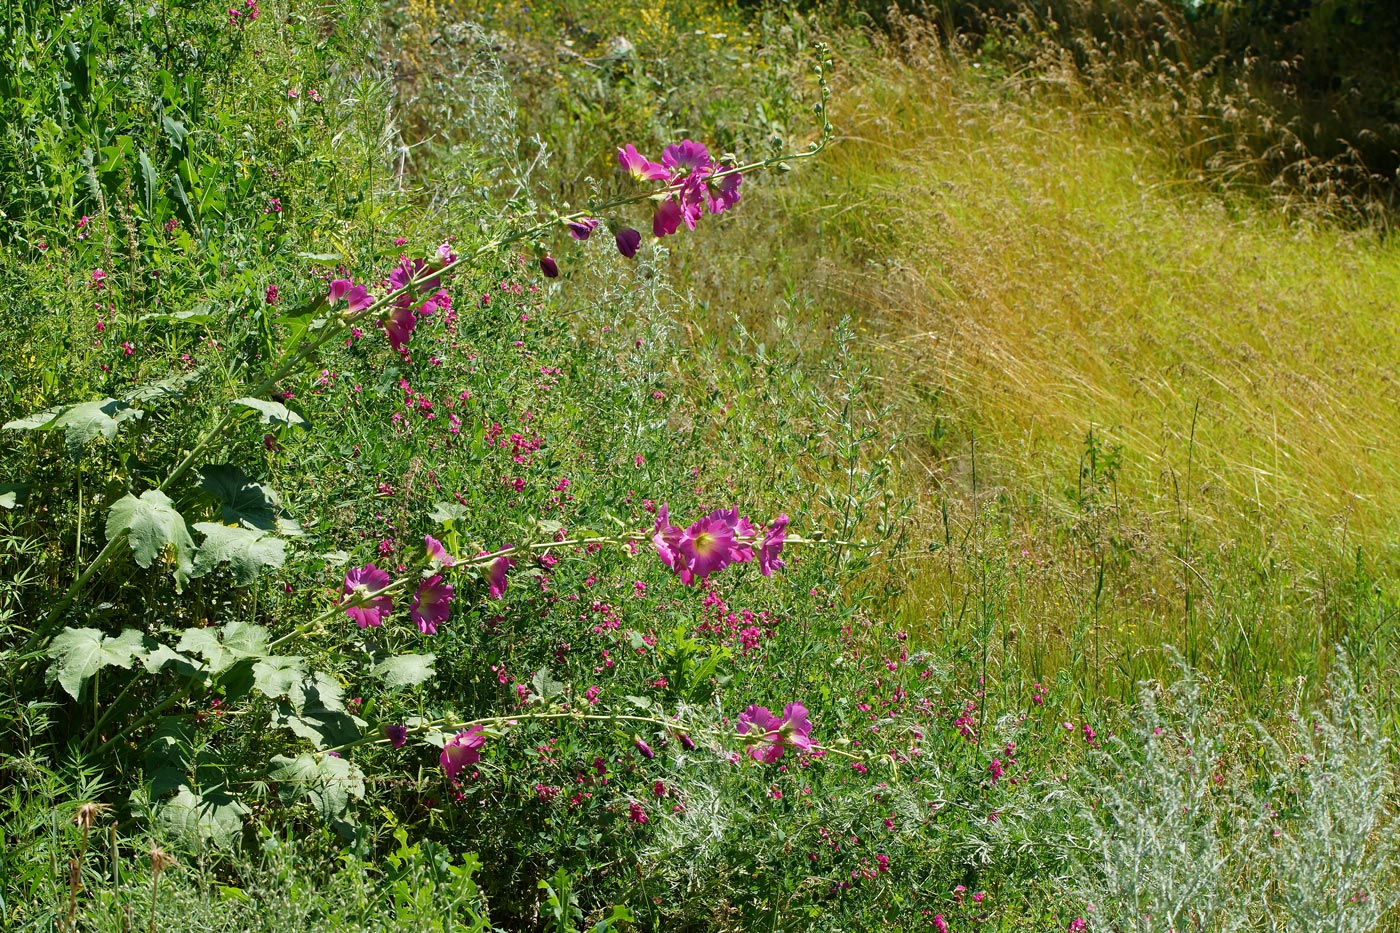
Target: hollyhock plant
point(430, 604)
point(462, 750)
point(628, 241)
point(773, 538)
point(768, 735)
point(360, 583)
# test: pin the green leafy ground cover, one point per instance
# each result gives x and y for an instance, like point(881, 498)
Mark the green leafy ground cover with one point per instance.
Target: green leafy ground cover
point(949, 348)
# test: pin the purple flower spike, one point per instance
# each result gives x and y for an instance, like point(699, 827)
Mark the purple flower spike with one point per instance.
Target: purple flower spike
point(549, 267)
point(461, 750)
point(580, 229)
point(430, 604)
point(437, 553)
point(768, 559)
point(360, 582)
point(770, 734)
point(397, 735)
point(628, 240)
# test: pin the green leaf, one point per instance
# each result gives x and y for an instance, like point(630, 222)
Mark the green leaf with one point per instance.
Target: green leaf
point(199, 314)
point(244, 501)
point(222, 647)
point(153, 525)
point(214, 816)
point(147, 179)
point(81, 422)
point(315, 710)
point(448, 512)
point(276, 677)
point(405, 670)
point(321, 257)
point(245, 550)
point(327, 781)
point(79, 653)
point(168, 388)
point(274, 413)
point(12, 495)
point(545, 685)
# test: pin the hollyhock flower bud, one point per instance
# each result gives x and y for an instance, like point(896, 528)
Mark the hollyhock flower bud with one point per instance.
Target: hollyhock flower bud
point(496, 576)
point(397, 735)
point(549, 267)
point(628, 240)
point(687, 742)
point(644, 748)
point(580, 229)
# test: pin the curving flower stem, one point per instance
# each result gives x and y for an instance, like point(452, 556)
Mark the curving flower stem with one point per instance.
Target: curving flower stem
point(307, 346)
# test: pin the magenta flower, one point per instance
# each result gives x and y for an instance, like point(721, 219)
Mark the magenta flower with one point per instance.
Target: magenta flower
point(461, 750)
point(686, 157)
point(549, 267)
point(708, 545)
point(357, 297)
point(437, 553)
point(399, 323)
point(580, 229)
point(768, 559)
point(769, 735)
point(397, 735)
point(496, 576)
point(692, 198)
point(628, 240)
point(667, 219)
point(667, 540)
point(430, 604)
point(725, 195)
point(638, 166)
point(360, 584)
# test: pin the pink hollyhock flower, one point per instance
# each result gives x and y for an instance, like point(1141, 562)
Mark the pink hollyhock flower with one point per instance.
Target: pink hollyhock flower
point(686, 157)
point(708, 545)
point(638, 166)
point(666, 538)
point(430, 604)
point(725, 194)
point(399, 324)
point(692, 198)
point(496, 576)
point(397, 735)
point(580, 229)
point(768, 559)
point(770, 734)
point(628, 240)
point(356, 296)
point(461, 750)
point(360, 583)
point(437, 553)
point(549, 267)
point(667, 219)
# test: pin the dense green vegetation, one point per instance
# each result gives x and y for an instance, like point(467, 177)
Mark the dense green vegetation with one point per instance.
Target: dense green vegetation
point(1080, 405)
